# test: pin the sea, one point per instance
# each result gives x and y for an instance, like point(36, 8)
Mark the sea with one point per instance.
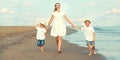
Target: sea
point(107, 41)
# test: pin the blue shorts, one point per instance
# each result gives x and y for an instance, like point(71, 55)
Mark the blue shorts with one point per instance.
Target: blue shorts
point(40, 42)
point(90, 42)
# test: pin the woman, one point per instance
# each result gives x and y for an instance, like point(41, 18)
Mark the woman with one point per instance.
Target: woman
point(58, 29)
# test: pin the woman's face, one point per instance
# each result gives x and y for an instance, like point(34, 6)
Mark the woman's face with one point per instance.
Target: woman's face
point(57, 6)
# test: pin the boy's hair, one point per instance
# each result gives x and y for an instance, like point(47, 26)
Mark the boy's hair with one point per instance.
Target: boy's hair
point(87, 21)
point(43, 25)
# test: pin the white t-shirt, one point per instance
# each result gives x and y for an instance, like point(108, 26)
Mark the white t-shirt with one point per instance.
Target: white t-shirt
point(88, 32)
point(40, 33)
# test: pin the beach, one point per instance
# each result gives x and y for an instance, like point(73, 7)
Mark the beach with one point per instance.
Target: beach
point(107, 41)
point(19, 43)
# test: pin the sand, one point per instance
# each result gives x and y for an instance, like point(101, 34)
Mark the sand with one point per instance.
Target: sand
point(21, 45)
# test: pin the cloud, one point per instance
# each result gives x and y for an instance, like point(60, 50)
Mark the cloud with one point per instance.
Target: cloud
point(40, 20)
point(30, 23)
point(118, 2)
point(16, 2)
point(114, 10)
point(91, 4)
point(6, 11)
point(80, 21)
point(37, 20)
point(27, 3)
point(2, 2)
point(30, 14)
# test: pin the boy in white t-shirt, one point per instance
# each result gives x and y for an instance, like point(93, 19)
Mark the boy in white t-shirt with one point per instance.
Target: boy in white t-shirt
point(89, 36)
point(40, 36)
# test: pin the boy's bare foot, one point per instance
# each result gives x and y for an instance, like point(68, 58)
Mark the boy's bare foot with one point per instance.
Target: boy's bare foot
point(42, 51)
point(94, 52)
point(89, 54)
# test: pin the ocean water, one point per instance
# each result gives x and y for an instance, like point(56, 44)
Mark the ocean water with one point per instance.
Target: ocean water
point(107, 41)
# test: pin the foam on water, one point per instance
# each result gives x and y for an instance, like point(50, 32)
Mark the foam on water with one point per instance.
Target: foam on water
point(107, 41)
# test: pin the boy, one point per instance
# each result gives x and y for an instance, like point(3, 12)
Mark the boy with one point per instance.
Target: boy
point(40, 35)
point(89, 36)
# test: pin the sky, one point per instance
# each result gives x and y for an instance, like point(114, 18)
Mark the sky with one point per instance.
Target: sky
point(29, 12)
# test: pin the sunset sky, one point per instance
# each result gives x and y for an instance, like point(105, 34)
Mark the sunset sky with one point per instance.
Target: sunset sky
point(28, 12)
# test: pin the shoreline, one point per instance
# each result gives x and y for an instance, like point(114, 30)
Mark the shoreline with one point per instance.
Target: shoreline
point(28, 49)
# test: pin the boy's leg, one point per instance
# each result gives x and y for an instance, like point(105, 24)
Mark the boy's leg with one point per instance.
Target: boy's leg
point(42, 49)
point(89, 50)
point(93, 48)
point(42, 42)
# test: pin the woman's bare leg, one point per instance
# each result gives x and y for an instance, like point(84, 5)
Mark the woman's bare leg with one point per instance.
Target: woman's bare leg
point(59, 43)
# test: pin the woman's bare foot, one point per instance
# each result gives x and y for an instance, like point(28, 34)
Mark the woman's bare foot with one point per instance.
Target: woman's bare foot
point(59, 52)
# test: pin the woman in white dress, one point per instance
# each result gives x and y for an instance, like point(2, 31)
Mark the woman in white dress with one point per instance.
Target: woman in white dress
point(58, 29)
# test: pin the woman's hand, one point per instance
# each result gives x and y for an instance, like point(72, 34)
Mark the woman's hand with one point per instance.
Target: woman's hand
point(67, 19)
point(47, 28)
point(78, 28)
point(74, 26)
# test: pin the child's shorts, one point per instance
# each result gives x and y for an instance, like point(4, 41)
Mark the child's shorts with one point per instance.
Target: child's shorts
point(90, 42)
point(40, 42)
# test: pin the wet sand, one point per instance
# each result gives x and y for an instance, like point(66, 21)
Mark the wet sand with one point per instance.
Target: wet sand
point(19, 43)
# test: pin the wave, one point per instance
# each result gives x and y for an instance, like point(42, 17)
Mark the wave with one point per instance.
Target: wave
point(111, 29)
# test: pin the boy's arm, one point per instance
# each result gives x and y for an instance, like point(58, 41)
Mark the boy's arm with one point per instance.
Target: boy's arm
point(36, 25)
point(46, 30)
point(79, 28)
point(94, 39)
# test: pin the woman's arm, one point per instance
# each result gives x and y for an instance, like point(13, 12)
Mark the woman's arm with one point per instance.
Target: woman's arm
point(67, 19)
point(50, 21)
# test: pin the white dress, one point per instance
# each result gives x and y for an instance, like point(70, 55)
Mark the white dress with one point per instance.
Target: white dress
point(58, 28)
